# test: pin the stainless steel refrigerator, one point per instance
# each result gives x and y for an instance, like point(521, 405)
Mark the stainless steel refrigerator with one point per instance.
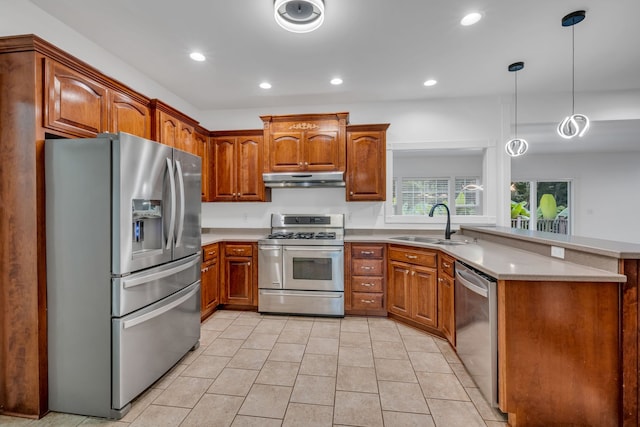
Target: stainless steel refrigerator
point(123, 268)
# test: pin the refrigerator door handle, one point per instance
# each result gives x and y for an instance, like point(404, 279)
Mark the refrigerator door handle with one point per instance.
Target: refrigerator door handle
point(141, 280)
point(182, 203)
point(172, 216)
point(155, 313)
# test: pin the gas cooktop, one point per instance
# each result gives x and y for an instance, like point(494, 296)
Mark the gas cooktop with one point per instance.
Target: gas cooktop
point(316, 230)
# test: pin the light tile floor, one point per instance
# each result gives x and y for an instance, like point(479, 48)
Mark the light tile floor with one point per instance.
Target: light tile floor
point(285, 371)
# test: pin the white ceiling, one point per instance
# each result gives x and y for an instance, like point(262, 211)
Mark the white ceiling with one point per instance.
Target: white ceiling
point(383, 49)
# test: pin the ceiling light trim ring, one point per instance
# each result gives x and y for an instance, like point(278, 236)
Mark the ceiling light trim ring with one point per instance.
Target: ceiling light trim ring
point(310, 14)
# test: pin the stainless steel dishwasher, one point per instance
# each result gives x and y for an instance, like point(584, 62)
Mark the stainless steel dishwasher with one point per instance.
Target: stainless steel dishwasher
point(477, 328)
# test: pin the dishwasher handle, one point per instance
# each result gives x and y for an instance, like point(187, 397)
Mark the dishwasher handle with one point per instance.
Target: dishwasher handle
point(465, 278)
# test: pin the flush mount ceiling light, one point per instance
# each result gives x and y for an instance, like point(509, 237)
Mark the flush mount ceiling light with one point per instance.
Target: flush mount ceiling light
point(575, 124)
point(470, 19)
point(265, 85)
point(299, 16)
point(336, 81)
point(517, 146)
point(430, 82)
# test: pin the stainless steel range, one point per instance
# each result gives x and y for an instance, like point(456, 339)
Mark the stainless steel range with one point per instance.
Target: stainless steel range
point(301, 265)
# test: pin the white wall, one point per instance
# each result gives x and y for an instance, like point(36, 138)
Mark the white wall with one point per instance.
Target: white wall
point(605, 189)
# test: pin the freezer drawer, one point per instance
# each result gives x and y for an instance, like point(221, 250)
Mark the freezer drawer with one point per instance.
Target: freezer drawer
point(138, 290)
point(301, 302)
point(148, 342)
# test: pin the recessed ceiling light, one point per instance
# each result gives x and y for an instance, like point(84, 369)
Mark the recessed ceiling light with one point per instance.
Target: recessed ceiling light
point(265, 85)
point(336, 81)
point(197, 56)
point(471, 19)
point(430, 82)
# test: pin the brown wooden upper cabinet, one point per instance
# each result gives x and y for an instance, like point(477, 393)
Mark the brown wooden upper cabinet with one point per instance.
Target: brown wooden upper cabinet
point(171, 127)
point(129, 115)
point(74, 103)
point(78, 105)
point(305, 142)
point(201, 148)
point(237, 158)
point(366, 162)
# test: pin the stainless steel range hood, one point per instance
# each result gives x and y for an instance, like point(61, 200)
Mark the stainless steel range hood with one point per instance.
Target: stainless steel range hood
point(303, 179)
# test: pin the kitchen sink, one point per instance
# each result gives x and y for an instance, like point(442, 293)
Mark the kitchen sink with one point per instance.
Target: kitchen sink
point(418, 239)
point(430, 240)
point(451, 242)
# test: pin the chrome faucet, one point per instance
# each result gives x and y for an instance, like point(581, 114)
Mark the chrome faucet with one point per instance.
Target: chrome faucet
point(447, 230)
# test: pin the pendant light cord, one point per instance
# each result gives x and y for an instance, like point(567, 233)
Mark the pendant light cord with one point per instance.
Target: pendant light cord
point(516, 91)
point(573, 69)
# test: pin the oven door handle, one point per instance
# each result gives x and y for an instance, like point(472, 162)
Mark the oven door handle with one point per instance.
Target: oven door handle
point(303, 294)
point(313, 249)
point(269, 248)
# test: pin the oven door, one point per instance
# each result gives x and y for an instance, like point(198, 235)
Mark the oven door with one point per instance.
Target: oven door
point(313, 268)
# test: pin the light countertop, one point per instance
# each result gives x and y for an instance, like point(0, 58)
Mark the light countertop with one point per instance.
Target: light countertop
point(500, 261)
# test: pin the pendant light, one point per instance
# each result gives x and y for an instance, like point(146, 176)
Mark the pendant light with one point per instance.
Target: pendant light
point(575, 124)
point(516, 146)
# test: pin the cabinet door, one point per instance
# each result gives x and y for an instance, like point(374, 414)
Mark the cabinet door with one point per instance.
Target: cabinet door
point(201, 149)
point(249, 185)
point(186, 141)
point(74, 104)
point(366, 170)
point(238, 281)
point(446, 303)
point(398, 288)
point(128, 115)
point(210, 288)
point(424, 296)
point(321, 151)
point(286, 153)
point(169, 128)
point(224, 169)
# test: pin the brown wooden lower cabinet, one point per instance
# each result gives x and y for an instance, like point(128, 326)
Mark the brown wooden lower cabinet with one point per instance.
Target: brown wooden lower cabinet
point(239, 275)
point(446, 298)
point(364, 279)
point(412, 285)
point(210, 280)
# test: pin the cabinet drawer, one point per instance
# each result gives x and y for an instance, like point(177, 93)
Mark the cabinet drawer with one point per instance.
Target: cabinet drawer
point(209, 252)
point(446, 264)
point(238, 250)
point(368, 251)
point(366, 301)
point(367, 267)
point(366, 284)
point(424, 258)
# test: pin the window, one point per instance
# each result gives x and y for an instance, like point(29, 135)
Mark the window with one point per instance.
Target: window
point(418, 195)
point(541, 206)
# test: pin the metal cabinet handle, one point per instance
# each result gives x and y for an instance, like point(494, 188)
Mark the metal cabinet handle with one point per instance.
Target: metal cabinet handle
point(211, 253)
point(366, 252)
point(351, 193)
point(366, 267)
point(238, 250)
point(300, 164)
point(440, 279)
point(411, 256)
point(368, 285)
point(367, 301)
point(445, 265)
point(306, 163)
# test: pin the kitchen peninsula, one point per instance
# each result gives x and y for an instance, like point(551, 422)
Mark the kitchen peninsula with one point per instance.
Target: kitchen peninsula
point(568, 331)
